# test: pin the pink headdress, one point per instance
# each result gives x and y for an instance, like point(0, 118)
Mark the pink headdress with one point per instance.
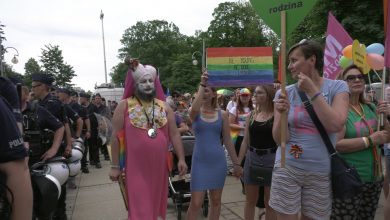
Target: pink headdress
point(136, 72)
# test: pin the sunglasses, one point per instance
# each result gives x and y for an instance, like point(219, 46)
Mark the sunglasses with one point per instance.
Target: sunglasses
point(354, 77)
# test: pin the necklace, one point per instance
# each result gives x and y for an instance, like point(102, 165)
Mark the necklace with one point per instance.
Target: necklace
point(152, 131)
point(360, 113)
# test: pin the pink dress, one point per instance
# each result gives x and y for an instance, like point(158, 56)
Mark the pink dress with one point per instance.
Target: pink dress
point(146, 163)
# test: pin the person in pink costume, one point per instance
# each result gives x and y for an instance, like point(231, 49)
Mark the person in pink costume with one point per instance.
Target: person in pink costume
point(149, 126)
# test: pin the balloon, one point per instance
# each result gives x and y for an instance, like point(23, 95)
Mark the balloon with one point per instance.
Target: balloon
point(376, 48)
point(344, 62)
point(375, 61)
point(347, 51)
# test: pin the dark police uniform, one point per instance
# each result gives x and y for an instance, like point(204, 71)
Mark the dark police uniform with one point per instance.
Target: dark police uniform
point(39, 126)
point(56, 108)
point(83, 113)
point(11, 149)
point(93, 140)
point(8, 91)
point(11, 141)
point(71, 113)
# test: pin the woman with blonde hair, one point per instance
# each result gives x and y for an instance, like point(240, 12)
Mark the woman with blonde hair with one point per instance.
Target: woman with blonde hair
point(208, 171)
point(358, 143)
point(259, 148)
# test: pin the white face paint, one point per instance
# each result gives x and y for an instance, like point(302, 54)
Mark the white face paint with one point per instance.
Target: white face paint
point(146, 84)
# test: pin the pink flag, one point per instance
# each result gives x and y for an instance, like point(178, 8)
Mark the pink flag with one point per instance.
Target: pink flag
point(387, 34)
point(336, 39)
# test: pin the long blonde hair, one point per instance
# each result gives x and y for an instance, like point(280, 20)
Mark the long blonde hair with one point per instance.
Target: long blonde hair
point(270, 91)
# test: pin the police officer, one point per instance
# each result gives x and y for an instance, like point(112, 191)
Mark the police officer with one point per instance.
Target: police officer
point(41, 83)
point(14, 174)
point(93, 140)
point(75, 121)
point(86, 132)
point(42, 131)
point(43, 134)
point(10, 95)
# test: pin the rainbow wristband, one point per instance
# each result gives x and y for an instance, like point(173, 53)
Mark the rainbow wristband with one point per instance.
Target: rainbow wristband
point(370, 141)
point(315, 96)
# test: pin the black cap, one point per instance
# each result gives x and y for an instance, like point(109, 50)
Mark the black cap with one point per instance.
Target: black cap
point(84, 95)
point(43, 78)
point(97, 95)
point(64, 90)
point(74, 93)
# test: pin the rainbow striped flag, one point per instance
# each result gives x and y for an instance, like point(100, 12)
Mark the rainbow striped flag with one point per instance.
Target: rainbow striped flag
point(122, 147)
point(239, 66)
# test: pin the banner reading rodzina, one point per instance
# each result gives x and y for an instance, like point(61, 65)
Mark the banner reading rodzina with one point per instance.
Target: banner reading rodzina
point(239, 66)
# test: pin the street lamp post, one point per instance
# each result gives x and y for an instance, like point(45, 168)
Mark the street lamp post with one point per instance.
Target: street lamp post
point(3, 50)
point(104, 46)
point(195, 61)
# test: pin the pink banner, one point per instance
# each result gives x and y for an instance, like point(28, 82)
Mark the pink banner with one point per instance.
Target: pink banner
point(387, 35)
point(336, 39)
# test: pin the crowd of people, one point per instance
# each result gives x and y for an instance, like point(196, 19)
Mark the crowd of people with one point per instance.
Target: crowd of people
point(247, 126)
point(42, 124)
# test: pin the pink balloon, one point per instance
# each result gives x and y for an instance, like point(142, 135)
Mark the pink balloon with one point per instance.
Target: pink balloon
point(375, 61)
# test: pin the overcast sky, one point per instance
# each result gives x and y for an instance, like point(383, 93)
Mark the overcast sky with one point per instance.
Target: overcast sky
point(75, 26)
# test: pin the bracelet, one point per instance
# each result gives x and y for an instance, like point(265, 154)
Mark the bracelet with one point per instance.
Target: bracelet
point(315, 96)
point(115, 167)
point(371, 143)
point(366, 142)
point(203, 85)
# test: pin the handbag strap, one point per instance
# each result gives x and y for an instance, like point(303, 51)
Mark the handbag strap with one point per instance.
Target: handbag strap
point(324, 135)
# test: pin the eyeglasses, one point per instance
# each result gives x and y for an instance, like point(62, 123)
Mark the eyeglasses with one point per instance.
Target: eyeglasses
point(35, 86)
point(354, 77)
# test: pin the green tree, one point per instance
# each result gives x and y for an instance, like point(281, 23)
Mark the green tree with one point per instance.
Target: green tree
point(9, 72)
point(152, 42)
point(118, 74)
point(30, 68)
point(362, 19)
point(53, 63)
point(184, 76)
point(2, 32)
point(236, 24)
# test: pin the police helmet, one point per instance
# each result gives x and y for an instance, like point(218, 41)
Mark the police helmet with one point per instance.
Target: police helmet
point(57, 167)
point(74, 168)
point(77, 154)
point(47, 191)
point(78, 144)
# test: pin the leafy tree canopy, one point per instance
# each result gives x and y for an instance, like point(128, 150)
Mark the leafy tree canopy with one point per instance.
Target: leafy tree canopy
point(30, 67)
point(53, 63)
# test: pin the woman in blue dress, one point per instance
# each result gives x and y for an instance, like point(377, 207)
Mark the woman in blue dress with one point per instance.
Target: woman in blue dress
point(208, 171)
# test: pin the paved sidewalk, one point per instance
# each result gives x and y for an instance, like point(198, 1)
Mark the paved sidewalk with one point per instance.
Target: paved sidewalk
point(97, 198)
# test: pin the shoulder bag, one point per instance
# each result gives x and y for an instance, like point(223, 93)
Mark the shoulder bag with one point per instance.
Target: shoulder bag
point(346, 181)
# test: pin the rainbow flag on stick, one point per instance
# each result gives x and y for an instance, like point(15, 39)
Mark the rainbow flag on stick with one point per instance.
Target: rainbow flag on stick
point(239, 66)
point(122, 148)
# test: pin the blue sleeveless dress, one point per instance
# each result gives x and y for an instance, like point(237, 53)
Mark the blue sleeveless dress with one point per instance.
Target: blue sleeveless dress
point(209, 166)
